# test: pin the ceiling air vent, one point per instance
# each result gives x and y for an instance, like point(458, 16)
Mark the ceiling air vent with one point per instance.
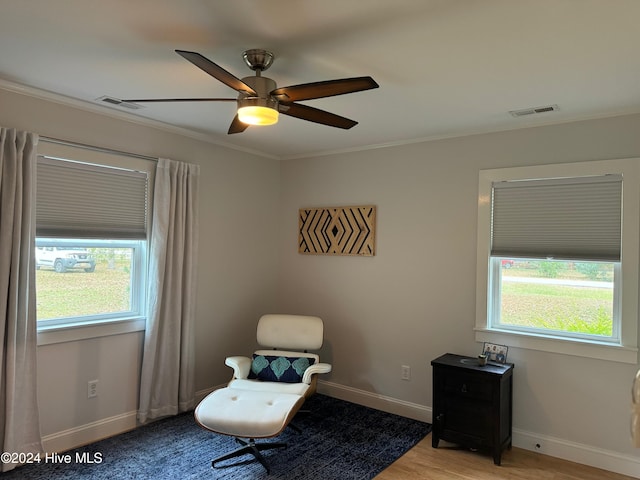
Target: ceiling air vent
point(118, 103)
point(532, 111)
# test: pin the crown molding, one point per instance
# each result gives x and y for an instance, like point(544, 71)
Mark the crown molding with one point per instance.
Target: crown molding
point(462, 134)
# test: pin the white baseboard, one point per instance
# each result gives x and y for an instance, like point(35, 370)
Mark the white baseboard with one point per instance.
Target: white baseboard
point(578, 452)
point(89, 433)
point(375, 400)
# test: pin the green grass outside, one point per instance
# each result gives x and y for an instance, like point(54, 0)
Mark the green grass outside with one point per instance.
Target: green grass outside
point(556, 307)
point(77, 293)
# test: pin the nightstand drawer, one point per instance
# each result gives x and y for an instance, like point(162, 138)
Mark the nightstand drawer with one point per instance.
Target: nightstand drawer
point(467, 386)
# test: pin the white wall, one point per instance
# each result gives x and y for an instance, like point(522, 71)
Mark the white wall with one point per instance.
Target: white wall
point(239, 195)
point(415, 300)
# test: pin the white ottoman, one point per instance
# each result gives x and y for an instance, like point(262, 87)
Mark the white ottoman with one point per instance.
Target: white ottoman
point(248, 414)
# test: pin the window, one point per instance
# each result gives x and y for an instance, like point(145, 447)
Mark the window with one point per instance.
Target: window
point(557, 258)
point(564, 298)
point(91, 226)
point(87, 280)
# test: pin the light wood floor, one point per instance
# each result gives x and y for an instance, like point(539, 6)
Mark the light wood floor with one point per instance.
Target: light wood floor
point(448, 462)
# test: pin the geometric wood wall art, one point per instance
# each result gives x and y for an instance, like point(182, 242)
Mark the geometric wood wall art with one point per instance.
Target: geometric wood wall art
point(337, 231)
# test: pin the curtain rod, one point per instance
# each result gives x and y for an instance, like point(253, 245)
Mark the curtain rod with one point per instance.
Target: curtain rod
point(57, 141)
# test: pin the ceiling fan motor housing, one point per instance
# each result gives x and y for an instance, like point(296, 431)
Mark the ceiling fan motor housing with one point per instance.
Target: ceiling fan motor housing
point(263, 86)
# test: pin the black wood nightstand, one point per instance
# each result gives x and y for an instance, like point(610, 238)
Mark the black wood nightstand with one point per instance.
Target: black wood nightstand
point(472, 404)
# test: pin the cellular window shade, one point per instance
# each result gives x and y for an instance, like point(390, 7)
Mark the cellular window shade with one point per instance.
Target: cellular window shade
point(77, 200)
point(571, 218)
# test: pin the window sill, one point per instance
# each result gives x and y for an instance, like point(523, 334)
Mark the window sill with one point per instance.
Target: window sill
point(601, 351)
point(82, 331)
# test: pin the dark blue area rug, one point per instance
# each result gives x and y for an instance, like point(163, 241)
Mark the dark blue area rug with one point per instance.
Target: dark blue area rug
point(338, 440)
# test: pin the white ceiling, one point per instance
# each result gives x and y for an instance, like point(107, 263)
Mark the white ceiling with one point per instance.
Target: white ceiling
point(445, 67)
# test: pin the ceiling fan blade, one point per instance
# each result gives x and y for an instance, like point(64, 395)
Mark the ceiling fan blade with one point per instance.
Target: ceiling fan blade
point(158, 100)
point(237, 126)
point(327, 88)
point(217, 72)
point(316, 115)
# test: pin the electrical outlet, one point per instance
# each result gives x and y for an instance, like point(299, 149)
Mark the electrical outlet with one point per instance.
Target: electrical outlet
point(405, 372)
point(92, 388)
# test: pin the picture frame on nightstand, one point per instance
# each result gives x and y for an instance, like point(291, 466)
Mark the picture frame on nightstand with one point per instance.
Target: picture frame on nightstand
point(495, 353)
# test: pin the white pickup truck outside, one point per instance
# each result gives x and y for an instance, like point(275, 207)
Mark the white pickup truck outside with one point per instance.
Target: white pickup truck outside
point(62, 259)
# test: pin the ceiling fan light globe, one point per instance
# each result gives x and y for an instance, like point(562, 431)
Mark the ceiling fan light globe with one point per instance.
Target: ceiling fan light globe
point(257, 115)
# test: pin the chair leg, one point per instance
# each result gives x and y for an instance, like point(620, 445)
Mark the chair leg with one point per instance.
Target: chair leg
point(253, 448)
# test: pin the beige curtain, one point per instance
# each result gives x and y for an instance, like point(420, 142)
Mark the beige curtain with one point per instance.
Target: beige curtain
point(19, 422)
point(635, 411)
point(167, 378)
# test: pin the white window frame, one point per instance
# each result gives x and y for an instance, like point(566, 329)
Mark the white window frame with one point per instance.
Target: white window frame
point(79, 328)
point(626, 350)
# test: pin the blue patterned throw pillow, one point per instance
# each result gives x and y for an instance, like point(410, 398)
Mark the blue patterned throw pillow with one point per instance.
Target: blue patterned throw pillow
point(271, 368)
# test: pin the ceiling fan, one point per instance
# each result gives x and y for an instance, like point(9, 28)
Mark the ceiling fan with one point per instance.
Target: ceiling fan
point(260, 100)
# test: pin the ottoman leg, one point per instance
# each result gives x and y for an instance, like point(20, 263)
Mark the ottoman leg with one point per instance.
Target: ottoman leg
point(253, 448)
